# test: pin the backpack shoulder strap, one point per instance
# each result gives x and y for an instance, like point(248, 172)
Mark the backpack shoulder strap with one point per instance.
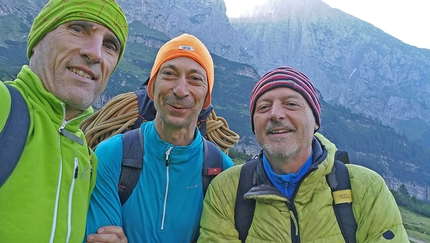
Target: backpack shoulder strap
point(132, 163)
point(244, 213)
point(212, 163)
point(342, 156)
point(339, 182)
point(14, 134)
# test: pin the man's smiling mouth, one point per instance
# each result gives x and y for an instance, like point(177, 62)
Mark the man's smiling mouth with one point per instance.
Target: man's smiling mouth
point(280, 131)
point(81, 73)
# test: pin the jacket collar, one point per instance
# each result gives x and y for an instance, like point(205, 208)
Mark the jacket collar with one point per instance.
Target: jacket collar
point(39, 97)
point(177, 154)
point(321, 166)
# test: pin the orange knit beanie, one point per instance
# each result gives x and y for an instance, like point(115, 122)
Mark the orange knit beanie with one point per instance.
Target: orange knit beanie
point(188, 46)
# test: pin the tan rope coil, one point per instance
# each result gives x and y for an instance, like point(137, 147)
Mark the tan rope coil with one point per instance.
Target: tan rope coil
point(122, 111)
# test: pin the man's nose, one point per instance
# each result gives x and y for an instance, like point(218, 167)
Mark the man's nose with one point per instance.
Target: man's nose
point(92, 49)
point(277, 111)
point(181, 87)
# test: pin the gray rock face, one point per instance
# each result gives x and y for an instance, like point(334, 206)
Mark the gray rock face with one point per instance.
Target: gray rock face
point(350, 61)
point(207, 20)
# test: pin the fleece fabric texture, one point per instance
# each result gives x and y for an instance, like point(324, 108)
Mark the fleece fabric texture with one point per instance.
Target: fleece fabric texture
point(46, 197)
point(166, 204)
point(310, 210)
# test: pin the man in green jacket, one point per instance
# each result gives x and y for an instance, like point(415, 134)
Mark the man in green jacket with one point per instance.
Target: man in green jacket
point(73, 48)
point(293, 201)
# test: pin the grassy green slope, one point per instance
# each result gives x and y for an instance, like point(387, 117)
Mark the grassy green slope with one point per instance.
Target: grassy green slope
point(417, 226)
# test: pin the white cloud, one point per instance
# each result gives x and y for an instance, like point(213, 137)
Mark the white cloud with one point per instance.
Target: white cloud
point(238, 7)
point(406, 20)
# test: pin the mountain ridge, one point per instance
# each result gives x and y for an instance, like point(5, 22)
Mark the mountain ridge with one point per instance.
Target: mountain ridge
point(313, 50)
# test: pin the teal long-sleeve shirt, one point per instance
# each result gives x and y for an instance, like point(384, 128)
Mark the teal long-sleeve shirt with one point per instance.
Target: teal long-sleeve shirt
point(166, 203)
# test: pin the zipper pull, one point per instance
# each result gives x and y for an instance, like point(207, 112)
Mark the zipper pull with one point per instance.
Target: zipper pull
point(167, 155)
point(70, 135)
point(61, 128)
point(76, 168)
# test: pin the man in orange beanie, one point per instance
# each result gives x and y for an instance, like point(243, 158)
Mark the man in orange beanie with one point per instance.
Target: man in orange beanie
point(166, 203)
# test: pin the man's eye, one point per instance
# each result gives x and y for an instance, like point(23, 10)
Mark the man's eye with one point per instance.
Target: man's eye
point(111, 47)
point(196, 78)
point(76, 28)
point(169, 74)
point(263, 108)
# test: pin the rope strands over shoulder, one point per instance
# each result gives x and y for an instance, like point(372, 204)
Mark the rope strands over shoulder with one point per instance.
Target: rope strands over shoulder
point(122, 112)
point(116, 116)
point(217, 131)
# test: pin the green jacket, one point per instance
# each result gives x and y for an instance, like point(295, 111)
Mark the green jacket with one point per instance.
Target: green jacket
point(311, 209)
point(46, 197)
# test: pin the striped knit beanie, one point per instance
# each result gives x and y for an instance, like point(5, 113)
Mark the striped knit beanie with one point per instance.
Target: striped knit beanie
point(188, 46)
point(56, 12)
point(290, 78)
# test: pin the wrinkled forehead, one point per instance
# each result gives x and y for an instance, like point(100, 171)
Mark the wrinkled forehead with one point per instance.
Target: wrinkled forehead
point(185, 64)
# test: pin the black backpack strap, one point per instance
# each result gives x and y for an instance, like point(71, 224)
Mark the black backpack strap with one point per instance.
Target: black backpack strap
point(339, 182)
point(244, 213)
point(146, 106)
point(14, 134)
point(212, 163)
point(202, 119)
point(342, 156)
point(132, 163)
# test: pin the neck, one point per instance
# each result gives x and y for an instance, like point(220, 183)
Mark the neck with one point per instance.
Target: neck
point(283, 165)
point(72, 113)
point(182, 136)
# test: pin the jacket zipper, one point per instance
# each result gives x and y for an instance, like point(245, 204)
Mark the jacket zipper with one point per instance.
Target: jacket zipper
point(70, 135)
point(167, 187)
point(295, 229)
point(57, 196)
point(69, 212)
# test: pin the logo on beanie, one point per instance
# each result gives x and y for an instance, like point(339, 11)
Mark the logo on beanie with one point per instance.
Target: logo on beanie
point(187, 48)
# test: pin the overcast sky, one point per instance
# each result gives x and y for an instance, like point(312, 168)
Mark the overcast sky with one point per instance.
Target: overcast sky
point(407, 20)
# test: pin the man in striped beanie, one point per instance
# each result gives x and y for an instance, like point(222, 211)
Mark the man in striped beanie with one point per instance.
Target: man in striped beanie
point(285, 195)
point(289, 78)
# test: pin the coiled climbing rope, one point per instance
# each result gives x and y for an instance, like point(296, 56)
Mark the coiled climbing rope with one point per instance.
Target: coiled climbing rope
point(121, 112)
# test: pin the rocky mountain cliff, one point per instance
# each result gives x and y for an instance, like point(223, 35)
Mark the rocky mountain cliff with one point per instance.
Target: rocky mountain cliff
point(207, 20)
point(351, 62)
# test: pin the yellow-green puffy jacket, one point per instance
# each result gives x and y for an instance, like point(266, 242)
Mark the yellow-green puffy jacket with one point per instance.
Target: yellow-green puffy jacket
point(310, 209)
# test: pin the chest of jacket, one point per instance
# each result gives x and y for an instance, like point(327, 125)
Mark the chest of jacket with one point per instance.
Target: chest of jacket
point(310, 215)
